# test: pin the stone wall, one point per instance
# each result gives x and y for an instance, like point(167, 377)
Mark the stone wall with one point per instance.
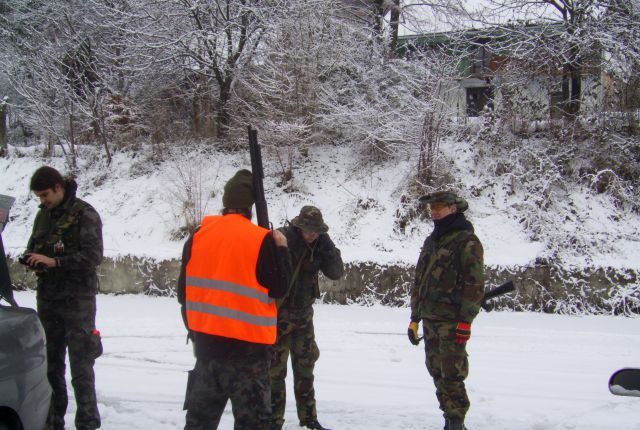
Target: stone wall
point(124, 275)
point(541, 287)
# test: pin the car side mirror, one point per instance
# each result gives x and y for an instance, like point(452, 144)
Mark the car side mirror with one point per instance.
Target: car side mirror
point(625, 382)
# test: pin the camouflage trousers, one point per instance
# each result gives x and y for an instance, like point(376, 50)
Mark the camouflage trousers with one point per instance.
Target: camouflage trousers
point(448, 365)
point(243, 379)
point(70, 324)
point(297, 338)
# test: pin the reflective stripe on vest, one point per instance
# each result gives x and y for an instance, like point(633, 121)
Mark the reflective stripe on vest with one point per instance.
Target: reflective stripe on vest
point(224, 297)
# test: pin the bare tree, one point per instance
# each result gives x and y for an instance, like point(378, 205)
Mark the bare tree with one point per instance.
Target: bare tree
point(320, 78)
point(61, 71)
point(308, 51)
point(212, 41)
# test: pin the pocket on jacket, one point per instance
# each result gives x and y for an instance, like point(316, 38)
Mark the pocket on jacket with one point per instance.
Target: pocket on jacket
point(94, 347)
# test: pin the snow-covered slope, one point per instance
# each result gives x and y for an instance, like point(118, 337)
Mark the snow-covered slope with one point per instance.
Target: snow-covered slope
point(140, 201)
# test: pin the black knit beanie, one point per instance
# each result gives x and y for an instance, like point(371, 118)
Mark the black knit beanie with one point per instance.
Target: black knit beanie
point(238, 191)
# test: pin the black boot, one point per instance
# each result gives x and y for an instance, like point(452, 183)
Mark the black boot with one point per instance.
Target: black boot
point(313, 424)
point(454, 424)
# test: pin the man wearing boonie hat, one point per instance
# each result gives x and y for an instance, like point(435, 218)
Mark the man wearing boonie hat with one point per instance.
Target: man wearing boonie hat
point(446, 297)
point(232, 270)
point(311, 251)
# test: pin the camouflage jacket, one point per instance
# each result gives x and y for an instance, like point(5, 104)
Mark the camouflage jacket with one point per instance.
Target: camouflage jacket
point(306, 262)
point(449, 281)
point(71, 233)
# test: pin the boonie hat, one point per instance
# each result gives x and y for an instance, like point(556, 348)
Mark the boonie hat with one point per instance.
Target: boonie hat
point(310, 219)
point(446, 197)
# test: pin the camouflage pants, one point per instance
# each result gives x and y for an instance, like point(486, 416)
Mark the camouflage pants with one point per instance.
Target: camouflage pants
point(243, 379)
point(448, 365)
point(69, 324)
point(297, 338)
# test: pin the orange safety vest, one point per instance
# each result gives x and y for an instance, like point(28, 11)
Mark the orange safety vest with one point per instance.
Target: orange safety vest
point(224, 297)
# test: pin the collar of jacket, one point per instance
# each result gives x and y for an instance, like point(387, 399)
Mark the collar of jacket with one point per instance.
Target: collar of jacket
point(446, 225)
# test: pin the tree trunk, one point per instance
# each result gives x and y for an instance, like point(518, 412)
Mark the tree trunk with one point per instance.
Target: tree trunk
point(103, 140)
point(428, 147)
point(4, 149)
point(72, 141)
point(566, 94)
point(394, 24)
point(197, 114)
point(378, 20)
point(222, 116)
point(51, 145)
point(101, 133)
point(576, 90)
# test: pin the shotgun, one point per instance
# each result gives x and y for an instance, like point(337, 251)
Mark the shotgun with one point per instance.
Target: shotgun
point(505, 288)
point(262, 214)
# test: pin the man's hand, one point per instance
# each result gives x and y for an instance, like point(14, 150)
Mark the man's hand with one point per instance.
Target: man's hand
point(33, 260)
point(279, 238)
point(412, 332)
point(323, 243)
point(463, 333)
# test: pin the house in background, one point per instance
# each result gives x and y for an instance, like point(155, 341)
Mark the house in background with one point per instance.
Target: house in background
point(488, 77)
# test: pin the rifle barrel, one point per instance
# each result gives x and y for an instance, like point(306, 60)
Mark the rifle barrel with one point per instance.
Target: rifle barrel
point(257, 171)
point(505, 288)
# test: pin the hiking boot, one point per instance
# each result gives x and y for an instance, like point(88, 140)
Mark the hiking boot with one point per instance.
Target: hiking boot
point(313, 424)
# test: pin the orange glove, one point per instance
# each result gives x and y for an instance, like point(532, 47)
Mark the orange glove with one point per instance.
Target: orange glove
point(412, 332)
point(463, 333)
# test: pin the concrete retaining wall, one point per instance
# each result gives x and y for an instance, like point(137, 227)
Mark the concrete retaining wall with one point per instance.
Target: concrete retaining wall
point(541, 287)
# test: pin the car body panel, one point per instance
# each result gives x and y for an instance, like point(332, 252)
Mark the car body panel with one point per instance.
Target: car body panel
point(24, 387)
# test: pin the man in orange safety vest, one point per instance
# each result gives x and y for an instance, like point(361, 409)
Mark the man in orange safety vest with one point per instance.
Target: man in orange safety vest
point(232, 271)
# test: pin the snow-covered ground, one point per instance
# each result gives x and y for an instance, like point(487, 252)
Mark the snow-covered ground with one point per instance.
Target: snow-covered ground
point(528, 371)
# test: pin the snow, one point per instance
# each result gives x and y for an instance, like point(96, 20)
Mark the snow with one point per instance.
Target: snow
point(139, 212)
point(621, 391)
point(138, 217)
point(528, 371)
point(140, 205)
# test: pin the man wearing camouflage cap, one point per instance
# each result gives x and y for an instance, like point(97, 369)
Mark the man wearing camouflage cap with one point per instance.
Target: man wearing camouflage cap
point(446, 296)
point(232, 271)
point(311, 250)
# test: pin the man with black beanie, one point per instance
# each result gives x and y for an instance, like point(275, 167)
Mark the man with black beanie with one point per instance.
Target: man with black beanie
point(232, 271)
